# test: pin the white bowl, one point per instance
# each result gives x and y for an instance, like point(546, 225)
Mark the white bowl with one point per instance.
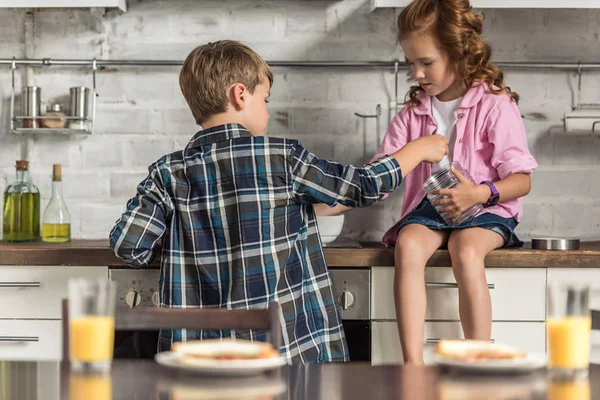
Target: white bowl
point(330, 227)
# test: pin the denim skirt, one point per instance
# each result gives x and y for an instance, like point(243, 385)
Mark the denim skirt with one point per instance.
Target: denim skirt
point(425, 214)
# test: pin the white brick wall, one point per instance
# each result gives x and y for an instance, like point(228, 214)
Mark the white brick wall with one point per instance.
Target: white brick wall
point(142, 115)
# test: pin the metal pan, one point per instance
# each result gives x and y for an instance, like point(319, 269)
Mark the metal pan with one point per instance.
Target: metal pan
point(555, 244)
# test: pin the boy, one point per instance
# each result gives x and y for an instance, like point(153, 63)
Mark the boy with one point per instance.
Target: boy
point(234, 209)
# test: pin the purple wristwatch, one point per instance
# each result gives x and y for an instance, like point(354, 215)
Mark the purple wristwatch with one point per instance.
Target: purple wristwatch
point(494, 197)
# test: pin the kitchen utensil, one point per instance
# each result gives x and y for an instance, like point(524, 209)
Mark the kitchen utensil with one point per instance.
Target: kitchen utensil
point(79, 106)
point(555, 244)
point(31, 106)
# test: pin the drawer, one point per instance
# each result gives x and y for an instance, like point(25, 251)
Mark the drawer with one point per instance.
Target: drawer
point(528, 336)
point(36, 292)
point(518, 294)
point(30, 340)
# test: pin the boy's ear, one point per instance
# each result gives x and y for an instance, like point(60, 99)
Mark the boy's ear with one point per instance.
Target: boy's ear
point(238, 96)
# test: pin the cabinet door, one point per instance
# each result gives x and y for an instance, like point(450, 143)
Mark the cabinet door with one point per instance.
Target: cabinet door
point(39, 340)
point(518, 294)
point(37, 292)
point(386, 349)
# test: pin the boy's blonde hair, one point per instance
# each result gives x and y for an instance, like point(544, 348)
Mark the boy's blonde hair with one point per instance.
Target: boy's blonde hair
point(209, 71)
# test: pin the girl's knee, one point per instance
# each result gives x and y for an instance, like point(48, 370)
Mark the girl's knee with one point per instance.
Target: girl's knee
point(466, 254)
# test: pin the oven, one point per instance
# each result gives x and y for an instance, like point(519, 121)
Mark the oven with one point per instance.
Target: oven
point(352, 288)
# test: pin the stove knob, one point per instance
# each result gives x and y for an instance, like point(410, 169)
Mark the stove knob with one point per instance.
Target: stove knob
point(133, 299)
point(156, 299)
point(346, 300)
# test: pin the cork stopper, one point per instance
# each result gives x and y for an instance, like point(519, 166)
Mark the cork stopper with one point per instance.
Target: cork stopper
point(22, 165)
point(57, 172)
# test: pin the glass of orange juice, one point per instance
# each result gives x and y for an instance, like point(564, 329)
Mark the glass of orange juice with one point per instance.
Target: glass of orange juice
point(91, 324)
point(569, 389)
point(568, 326)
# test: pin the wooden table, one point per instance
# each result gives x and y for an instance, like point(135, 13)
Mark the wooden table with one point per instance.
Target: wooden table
point(147, 380)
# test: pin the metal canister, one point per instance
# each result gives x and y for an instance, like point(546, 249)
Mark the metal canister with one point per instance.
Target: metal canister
point(31, 106)
point(79, 106)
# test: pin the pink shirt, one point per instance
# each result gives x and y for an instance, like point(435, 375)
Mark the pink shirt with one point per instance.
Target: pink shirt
point(491, 144)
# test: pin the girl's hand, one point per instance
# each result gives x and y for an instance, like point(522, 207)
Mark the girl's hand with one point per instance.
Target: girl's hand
point(462, 197)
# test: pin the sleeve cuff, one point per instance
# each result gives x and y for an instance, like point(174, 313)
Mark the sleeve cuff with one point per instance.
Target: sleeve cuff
point(524, 165)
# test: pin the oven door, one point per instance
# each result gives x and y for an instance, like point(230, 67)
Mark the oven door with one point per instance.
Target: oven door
point(358, 338)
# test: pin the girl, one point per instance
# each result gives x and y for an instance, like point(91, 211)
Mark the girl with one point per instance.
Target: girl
point(461, 95)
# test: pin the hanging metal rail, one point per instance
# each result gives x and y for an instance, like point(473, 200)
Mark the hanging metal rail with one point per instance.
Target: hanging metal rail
point(302, 64)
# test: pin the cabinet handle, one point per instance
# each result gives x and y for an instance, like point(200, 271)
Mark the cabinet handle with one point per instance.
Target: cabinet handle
point(19, 339)
point(19, 284)
point(451, 285)
point(436, 340)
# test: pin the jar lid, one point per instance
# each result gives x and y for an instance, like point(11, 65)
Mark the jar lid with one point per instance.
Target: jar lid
point(54, 107)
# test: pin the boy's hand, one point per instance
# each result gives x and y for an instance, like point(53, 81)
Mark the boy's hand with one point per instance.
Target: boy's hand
point(433, 148)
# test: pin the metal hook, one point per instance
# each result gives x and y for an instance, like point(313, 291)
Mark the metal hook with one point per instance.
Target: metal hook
point(13, 68)
point(594, 126)
point(94, 94)
point(377, 115)
point(578, 84)
point(396, 71)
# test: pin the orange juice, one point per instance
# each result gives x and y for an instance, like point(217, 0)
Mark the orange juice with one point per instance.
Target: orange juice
point(575, 390)
point(92, 338)
point(90, 387)
point(569, 341)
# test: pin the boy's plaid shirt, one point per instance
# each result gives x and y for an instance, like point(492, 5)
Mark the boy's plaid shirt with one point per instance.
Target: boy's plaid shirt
point(235, 218)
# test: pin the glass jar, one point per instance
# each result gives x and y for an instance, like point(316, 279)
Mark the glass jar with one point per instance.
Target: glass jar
point(443, 178)
point(54, 110)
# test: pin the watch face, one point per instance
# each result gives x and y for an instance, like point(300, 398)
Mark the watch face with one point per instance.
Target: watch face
point(495, 200)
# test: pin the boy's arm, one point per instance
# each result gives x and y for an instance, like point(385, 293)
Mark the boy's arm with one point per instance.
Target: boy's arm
point(321, 181)
point(143, 224)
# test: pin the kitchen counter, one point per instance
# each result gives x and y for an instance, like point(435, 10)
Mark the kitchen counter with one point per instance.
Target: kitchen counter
point(97, 253)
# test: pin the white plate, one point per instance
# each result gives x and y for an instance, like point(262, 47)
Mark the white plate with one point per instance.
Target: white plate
point(221, 367)
point(532, 362)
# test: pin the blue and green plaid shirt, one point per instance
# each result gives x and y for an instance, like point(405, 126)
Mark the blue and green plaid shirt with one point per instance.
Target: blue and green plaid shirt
point(234, 215)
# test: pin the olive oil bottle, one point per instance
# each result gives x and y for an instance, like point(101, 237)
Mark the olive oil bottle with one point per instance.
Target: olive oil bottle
point(21, 208)
point(56, 224)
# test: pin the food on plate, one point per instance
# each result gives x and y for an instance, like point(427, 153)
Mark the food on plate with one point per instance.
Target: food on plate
point(226, 349)
point(477, 350)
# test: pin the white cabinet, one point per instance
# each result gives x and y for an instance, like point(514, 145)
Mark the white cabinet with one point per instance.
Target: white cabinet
point(30, 318)
point(518, 294)
point(518, 310)
point(120, 4)
point(529, 336)
point(37, 292)
point(39, 340)
point(504, 3)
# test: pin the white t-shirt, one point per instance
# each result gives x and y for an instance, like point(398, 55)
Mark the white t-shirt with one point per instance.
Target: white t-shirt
point(443, 113)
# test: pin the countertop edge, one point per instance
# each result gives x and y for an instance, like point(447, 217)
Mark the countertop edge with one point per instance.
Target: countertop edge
point(96, 253)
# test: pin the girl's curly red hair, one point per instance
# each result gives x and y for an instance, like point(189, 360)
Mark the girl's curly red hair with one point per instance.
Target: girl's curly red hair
point(456, 29)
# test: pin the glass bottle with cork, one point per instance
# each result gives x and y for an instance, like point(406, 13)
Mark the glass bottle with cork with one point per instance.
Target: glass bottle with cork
point(56, 223)
point(21, 208)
